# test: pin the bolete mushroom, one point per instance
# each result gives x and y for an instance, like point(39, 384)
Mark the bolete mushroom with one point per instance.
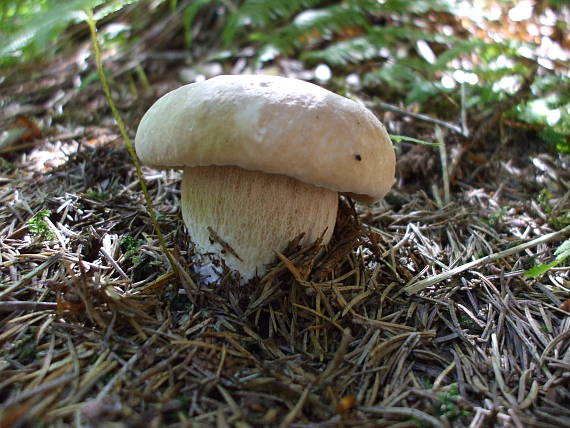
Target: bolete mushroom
point(264, 158)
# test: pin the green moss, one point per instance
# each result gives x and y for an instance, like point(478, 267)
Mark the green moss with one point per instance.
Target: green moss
point(39, 226)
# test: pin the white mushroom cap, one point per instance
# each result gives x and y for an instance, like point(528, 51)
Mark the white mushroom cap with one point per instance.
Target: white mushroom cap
point(273, 125)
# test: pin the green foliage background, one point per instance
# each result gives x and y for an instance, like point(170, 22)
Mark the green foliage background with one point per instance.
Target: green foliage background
point(376, 39)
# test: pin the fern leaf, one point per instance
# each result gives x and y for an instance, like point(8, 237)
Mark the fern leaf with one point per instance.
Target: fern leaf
point(321, 23)
point(345, 52)
point(40, 27)
point(417, 7)
point(263, 13)
point(189, 14)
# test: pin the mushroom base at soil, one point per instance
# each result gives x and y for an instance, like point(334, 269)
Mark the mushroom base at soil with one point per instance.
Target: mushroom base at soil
point(241, 216)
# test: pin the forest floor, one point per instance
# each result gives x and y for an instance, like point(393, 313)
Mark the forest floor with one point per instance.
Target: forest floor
point(97, 330)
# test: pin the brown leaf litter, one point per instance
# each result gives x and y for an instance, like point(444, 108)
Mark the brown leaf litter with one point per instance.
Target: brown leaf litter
point(325, 337)
point(93, 333)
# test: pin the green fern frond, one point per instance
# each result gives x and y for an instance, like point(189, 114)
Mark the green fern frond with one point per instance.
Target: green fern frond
point(31, 26)
point(406, 77)
point(460, 47)
point(315, 23)
point(330, 20)
point(306, 23)
point(345, 52)
point(263, 13)
point(367, 47)
point(391, 34)
point(399, 76)
point(416, 7)
point(189, 14)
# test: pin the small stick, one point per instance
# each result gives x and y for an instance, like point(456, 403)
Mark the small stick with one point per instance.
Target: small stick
point(464, 112)
point(215, 237)
point(109, 386)
point(328, 375)
point(40, 389)
point(114, 263)
point(50, 261)
point(424, 283)
point(376, 104)
point(23, 305)
point(444, 168)
point(294, 412)
point(404, 411)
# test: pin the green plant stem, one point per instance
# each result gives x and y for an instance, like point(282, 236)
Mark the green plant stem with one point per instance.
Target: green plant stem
point(128, 141)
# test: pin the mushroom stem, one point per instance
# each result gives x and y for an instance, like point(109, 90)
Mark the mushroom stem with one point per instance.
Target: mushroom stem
point(241, 216)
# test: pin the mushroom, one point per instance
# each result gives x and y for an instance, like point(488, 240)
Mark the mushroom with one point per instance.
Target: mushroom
point(264, 159)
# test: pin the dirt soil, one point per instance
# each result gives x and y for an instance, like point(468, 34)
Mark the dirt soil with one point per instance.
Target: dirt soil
point(97, 329)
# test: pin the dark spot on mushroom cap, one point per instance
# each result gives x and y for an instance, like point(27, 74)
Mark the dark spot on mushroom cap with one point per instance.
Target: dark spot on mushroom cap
point(357, 157)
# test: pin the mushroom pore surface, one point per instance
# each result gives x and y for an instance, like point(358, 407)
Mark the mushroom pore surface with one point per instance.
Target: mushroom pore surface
point(252, 212)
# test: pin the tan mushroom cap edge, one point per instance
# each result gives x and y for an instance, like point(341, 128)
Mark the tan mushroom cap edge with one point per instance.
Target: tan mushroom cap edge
point(274, 125)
